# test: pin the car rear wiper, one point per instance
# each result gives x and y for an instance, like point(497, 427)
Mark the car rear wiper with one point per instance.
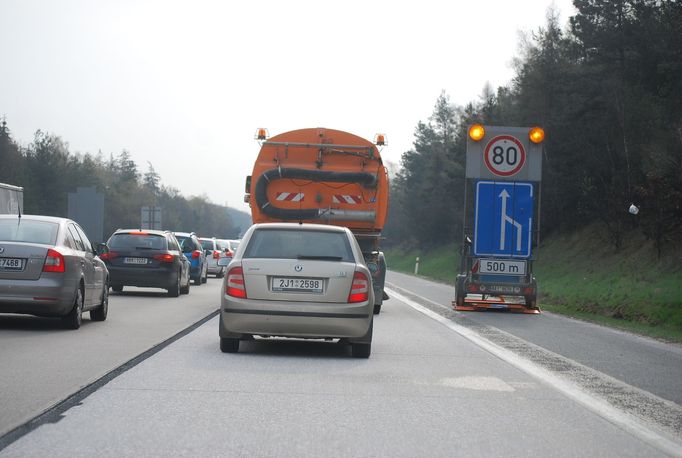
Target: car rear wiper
point(320, 258)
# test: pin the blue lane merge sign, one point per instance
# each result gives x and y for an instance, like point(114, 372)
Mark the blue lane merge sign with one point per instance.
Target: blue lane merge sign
point(504, 219)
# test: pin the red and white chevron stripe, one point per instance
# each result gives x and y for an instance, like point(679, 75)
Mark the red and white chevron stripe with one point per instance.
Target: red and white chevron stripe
point(346, 199)
point(290, 196)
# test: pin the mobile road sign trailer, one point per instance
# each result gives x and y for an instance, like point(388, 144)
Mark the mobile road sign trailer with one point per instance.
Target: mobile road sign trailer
point(501, 219)
point(11, 199)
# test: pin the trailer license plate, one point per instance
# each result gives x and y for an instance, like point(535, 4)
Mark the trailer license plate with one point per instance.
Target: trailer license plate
point(11, 264)
point(502, 267)
point(297, 285)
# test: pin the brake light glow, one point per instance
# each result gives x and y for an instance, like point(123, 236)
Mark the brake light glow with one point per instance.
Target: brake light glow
point(234, 283)
point(54, 262)
point(196, 254)
point(108, 256)
point(229, 253)
point(359, 290)
point(138, 233)
point(164, 257)
point(216, 255)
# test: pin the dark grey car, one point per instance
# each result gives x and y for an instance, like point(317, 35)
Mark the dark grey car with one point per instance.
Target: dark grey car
point(49, 268)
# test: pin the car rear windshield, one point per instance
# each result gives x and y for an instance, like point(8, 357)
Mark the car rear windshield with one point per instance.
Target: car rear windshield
point(27, 230)
point(297, 244)
point(207, 244)
point(133, 241)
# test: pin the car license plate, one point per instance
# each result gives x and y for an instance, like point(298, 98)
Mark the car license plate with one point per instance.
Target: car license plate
point(11, 264)
point(297, 284)
point(502, 267)
point(135, 260)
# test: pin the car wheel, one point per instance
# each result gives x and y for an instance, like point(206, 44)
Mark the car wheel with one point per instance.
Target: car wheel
point(100, 313)
point(377, 309)
point(220, 273)
point(197, 281)
point(117, 288)
point(185, 289)
point(361, 350)
point(204, 279)
point(229, 345)
point(174, 291)
point(75, 317)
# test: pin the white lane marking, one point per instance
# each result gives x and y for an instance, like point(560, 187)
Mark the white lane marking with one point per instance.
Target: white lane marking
point(602, 408)
point(477, 383)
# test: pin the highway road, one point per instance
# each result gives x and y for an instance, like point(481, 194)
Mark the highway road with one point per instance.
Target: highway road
point(42, 364)
point(438, 383)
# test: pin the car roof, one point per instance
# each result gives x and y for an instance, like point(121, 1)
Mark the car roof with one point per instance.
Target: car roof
point(51, 219)
point(303, 227)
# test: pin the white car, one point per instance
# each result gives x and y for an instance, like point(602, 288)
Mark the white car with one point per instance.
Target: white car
point(297, 280)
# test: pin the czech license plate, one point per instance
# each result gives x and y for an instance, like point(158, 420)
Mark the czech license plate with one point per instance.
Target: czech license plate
point(297, 284)
point(135, 260)
point(11, 264)
point(501, 267)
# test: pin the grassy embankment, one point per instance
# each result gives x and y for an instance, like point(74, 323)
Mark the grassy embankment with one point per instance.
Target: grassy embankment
point(580, 275)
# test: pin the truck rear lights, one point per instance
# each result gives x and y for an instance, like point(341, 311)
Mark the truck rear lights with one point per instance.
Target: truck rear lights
point(164, 257)
point(359, 289)
point(528, 290)
point(196, 254)
point(234, 283)
point(54, 262)
point(471, 288)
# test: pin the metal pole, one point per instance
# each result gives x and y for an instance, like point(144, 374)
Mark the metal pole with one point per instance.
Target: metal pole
point(416, 266)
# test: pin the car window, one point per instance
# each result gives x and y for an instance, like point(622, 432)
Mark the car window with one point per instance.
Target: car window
point(86, 242)
point(26, 230)
point(207, 244)
point(294, 244)
point(186, 243)
point(173, 243)
point(234, 245)
point(77, 238)
point(135, 241)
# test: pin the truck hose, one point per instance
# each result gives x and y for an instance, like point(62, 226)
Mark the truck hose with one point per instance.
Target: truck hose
point(366, 179)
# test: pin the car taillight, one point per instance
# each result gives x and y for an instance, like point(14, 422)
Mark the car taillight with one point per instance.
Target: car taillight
point(196, 254)
point(216, 255)
point(164, 257)
point(359, 290)
point(229, 253)
point(234, 284)
point(54, 262)
point(108, 256)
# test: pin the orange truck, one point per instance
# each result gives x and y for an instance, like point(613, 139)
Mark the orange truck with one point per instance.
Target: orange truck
point(324, 176)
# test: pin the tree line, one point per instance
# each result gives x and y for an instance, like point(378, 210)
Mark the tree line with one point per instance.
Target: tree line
point(607, 90)
point(48, 171)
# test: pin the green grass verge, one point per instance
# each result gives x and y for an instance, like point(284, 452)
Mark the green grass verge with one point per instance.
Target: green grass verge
point(581, 276)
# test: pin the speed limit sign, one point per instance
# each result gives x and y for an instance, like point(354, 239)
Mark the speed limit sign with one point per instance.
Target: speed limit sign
point(504, 155)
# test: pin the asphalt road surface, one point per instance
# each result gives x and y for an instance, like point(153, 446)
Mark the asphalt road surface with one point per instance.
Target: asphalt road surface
point(432, 387)
point(42, 364)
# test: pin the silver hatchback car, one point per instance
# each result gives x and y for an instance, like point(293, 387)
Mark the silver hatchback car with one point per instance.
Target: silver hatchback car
point(49, 268)
point(297, 280)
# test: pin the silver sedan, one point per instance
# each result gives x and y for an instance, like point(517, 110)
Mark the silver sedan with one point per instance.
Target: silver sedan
point(297, 280)
point(49, 268)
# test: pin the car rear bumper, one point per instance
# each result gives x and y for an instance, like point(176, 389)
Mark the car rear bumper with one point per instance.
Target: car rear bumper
point(241, 317)
point(43, 297)
point(151, 278)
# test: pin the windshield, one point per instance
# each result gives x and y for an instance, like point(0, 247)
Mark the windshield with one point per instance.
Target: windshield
point(295, 244)
point(137, 242)
point(207, 244)
point(31, 231)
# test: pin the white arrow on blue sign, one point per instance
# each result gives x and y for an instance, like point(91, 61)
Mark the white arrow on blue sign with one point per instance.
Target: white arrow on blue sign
point(504, 219)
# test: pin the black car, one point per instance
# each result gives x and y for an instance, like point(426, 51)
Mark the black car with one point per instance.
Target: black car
point(147, 258)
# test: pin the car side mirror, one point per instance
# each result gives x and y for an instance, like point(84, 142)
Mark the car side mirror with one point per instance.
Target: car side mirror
point(101, 248)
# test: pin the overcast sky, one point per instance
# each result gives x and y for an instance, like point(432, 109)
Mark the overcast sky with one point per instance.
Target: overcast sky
point(178, 83)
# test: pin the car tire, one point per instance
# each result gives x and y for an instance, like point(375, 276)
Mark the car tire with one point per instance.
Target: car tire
point(185, 289)
point(221, 273)
point(75, 317)
point(204, 279)
point(117, 288)
point(361, 350)
point(229, 345)
point(197, 281)
point(174, 291)
point(377, 309)
point(100, 313)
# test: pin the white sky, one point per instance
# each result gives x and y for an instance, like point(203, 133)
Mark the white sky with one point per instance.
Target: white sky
point(175, 81)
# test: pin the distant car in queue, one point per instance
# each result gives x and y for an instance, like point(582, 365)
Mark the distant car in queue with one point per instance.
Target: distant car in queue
point(297, 280)
point(147, 258)
point(49, 268)
point(192, 249)
point(214, 250)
